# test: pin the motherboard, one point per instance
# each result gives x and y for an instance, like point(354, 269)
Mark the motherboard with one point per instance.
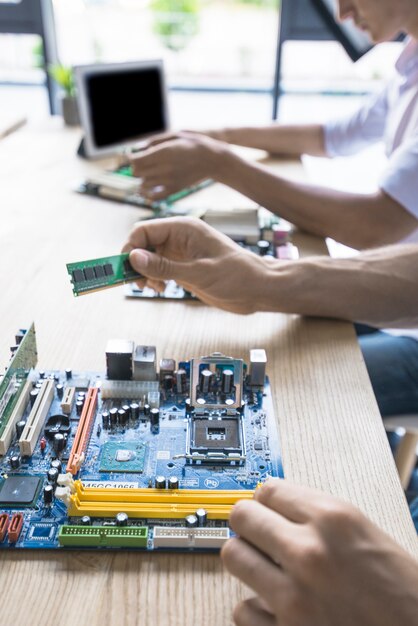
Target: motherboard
point(120, 185)
point(147, 455)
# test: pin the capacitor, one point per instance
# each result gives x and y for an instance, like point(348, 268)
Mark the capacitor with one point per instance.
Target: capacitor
point(155, 419)
point(48, 494)
point(160, 482)
point(60, 390)
point(191, 521)
point(227, 381)
point(52, 475)
point(168, 382)
point(38, 385)
point(127, 410)
point(122, 417)
point(56, 464)
point(134, 410)
point(79, 407)
point(113, 417)
point(147, 409)
point(85, 520)
point(173, 482)
point(263, 247)
point(14, 461)
point(202, 517)
point(121, 519)
point(20, 426)
point(33, 395)
point(59, 442)
point(181, 381)
point(188, 404)
point(41, 374)
point(205, 381)
point(106, 419)
point(68, 373)
point(42, 444)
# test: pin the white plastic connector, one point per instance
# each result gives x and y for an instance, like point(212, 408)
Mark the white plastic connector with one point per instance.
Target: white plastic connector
point(63, 494)
point(179, 537)
point(66, 480)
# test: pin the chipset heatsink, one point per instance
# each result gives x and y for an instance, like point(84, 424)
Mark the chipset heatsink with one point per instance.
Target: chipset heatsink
point(122, 457)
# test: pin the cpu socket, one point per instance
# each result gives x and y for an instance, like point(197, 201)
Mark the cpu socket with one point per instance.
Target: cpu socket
point(219, 440)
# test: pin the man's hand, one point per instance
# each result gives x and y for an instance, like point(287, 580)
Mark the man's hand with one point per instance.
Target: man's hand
point(203, 261)
point(315, 561)
point(173, 162)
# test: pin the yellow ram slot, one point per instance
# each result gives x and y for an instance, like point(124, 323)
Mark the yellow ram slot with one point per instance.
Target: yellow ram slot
point(166, 496)
point(9, 431)
point(30, 434)
point(163, 511)
point(153, 503)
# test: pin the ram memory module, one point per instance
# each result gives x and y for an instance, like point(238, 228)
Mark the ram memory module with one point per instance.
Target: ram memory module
point(97, 274)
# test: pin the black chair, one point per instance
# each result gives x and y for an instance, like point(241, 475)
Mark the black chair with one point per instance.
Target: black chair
point(33, 17)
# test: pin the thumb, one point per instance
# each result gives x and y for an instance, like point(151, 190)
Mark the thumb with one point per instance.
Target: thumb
point(153, 265)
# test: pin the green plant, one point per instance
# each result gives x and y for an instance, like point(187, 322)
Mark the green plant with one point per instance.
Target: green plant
point(262, 3)
point(38, 54)
point(64, 77)
point(176, 22)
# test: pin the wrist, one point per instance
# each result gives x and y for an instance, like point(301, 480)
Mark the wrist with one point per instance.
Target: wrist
point(287, 287)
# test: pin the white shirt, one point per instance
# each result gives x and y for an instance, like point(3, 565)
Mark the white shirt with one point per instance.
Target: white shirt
point(392, 117)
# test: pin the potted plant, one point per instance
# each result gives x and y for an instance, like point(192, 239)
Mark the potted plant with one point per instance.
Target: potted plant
point(176, 22)
point(64, 77)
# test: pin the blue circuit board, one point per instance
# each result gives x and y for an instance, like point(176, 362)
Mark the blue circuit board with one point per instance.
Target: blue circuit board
point(129, 451)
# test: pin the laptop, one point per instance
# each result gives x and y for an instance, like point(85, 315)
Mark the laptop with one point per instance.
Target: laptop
point(120, 106)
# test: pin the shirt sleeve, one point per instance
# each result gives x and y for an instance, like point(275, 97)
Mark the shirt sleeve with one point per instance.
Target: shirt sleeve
point(400, 179)
point(351, 134)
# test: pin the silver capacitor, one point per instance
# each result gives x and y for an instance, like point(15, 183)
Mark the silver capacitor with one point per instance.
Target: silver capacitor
point(121, 519)
point(191, 521)
point(181, 381)
point(160, 482)
point(205, 381)
point(202, 517)
point(173, 482)
point(227, 381)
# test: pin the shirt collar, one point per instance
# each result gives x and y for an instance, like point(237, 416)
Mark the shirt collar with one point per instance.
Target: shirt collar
point(407, 63)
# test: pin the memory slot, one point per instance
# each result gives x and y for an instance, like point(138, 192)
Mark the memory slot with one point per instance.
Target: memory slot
point(153, 503)
point(82, 435)
point(146, 510)
point(163, 496)
point(17, 414)
point(34, 423)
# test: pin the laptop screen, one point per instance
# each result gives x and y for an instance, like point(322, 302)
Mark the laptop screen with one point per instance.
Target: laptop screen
point(120, 103)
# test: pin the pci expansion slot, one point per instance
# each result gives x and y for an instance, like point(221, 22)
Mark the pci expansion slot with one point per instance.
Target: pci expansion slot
point(30, 434)
point(83, 431)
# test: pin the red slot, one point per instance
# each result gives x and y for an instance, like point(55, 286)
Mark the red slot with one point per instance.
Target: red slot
point(15, 527)
point(4, 525)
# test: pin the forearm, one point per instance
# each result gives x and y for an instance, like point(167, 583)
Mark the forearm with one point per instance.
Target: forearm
point(277, 139)
point(379, 287)
point(357, 220)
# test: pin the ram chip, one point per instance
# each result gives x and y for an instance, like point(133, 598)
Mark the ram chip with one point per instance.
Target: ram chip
point(97, 274)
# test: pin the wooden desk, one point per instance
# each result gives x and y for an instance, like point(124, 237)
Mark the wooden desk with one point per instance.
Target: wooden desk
point(331, 431)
